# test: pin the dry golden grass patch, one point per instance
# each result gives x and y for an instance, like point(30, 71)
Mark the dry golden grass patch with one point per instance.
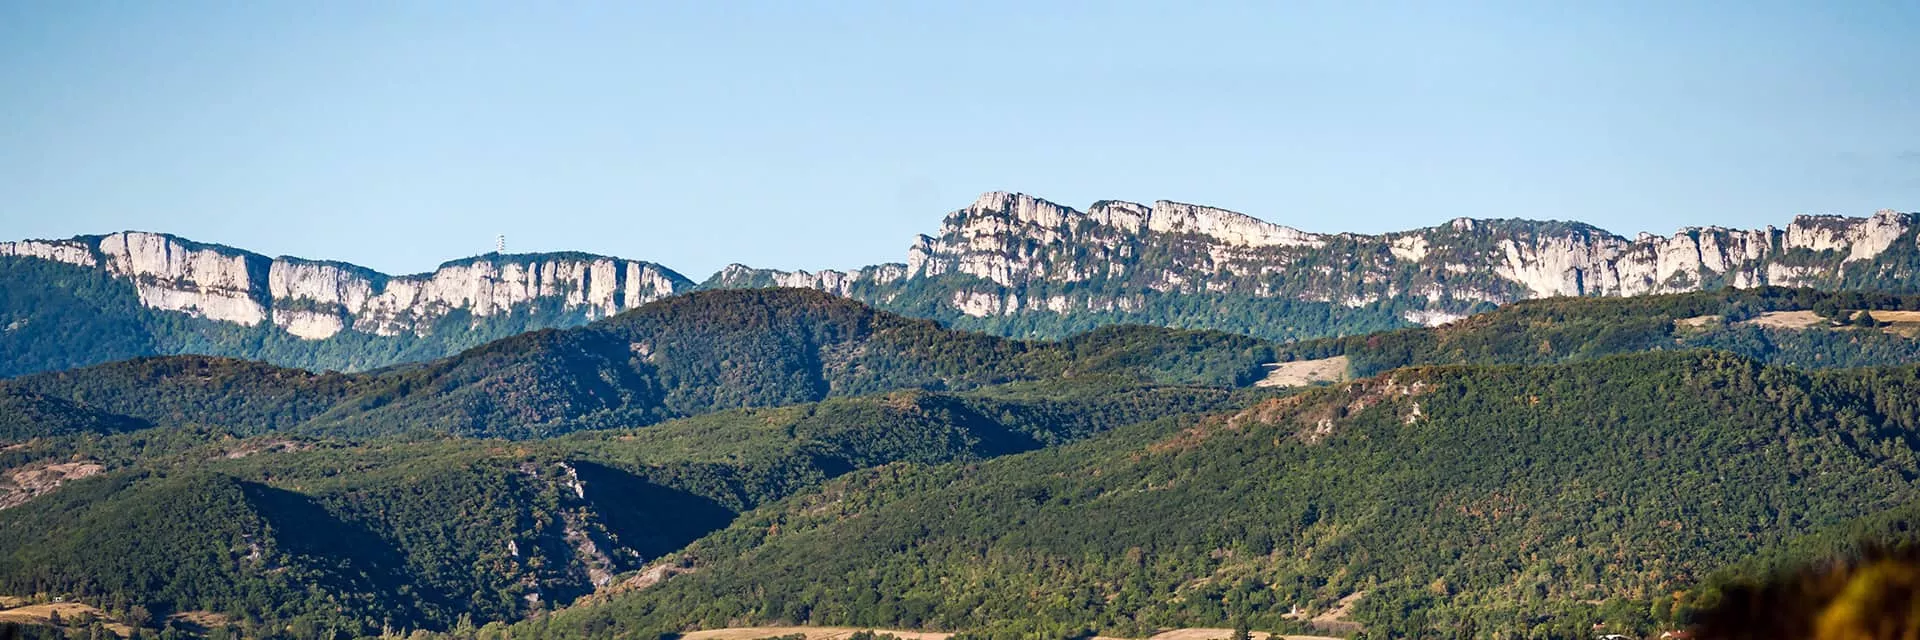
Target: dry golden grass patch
point(201, 619)
point(812, 633)
point(1896, 316)
point(1905, 323)
point(1789, 320)
point(1301, 373)
point(1697, 322)
point(69, 612)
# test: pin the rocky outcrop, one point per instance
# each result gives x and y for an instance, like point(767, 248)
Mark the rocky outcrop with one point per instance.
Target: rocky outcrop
point(317, 300)
point(1010, 253)
point(841, 283)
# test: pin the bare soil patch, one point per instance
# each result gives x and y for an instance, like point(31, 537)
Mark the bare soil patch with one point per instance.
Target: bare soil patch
point(25, 484)
point(1335, 619)
point(1300, 373)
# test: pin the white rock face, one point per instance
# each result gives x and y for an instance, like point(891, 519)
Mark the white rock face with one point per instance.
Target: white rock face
point(170, 275)
point(1431, 318)
point(317, 300)
point(1027, 254)
point(1012, 253)
point(68, 251)
point(1226, 226)
point(839, 283)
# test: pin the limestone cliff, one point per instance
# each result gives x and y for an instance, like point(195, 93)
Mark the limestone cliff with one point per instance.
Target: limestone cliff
point(1010, 254)
point(1008, 263)
point(317, 300)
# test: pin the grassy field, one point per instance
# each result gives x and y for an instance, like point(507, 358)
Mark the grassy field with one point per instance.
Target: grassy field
point(43, 614)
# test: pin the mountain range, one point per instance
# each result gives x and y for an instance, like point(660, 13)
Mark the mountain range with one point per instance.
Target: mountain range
point(1008, 264)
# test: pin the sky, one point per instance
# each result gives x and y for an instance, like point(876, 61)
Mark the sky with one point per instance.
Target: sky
point(827, 134)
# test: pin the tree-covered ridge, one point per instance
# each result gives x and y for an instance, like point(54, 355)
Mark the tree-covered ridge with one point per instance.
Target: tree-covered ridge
point(1571, 329)
point(330, 537)
point(682, 414)
point(678, 357)
point(716, 350)
point(252, 397)
point(1536, 499)
point(25, 414)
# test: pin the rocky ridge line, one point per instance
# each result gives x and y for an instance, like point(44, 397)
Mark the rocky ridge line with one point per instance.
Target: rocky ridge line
point(1016, 252)
point(317, 300)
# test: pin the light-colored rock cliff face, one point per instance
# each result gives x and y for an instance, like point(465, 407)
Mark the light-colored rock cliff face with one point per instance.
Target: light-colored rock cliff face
point(1011, 253)
point(841, 283)
point(1008, 254)
point(317, 300)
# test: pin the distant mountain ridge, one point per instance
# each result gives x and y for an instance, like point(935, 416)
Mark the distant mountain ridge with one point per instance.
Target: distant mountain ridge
point(1009, 263)
point(315, 299)
point(1010, 254)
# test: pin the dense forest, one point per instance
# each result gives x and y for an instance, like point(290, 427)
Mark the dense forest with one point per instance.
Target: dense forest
point(333, 538)
point(783, 455)
point(678, 357)
point(1570, 329)
point(717, 350)
point(1513, 501)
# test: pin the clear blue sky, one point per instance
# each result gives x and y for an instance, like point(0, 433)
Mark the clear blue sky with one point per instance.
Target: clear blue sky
point(803, 134)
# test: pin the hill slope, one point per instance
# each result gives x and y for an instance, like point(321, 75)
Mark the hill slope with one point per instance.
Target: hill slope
point(677, 357)
point(1508, 496)
point(421, 534)
point(1572, 329)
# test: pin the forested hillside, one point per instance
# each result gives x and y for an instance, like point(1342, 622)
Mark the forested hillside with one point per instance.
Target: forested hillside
point(1577, 459)
point(678, 357)
point(1571, 329)
point(1533, 499)
point(314, 537)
